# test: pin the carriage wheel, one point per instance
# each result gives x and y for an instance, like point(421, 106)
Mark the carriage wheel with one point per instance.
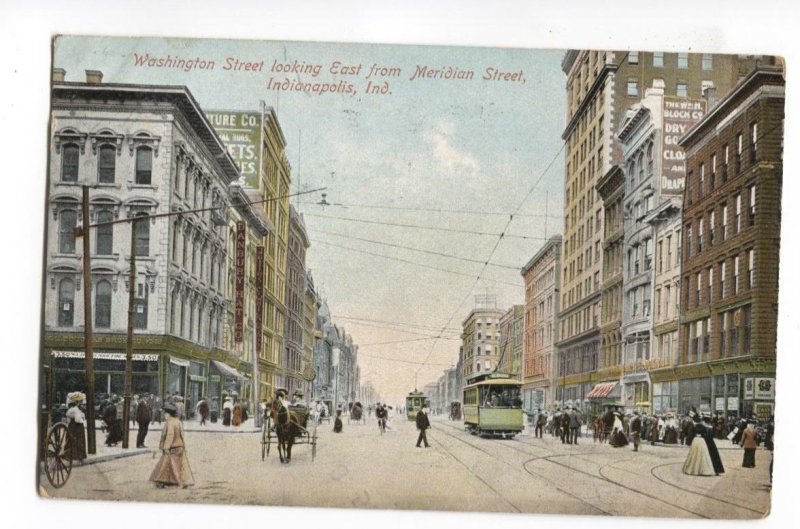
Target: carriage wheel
point(314, 443)
point(57, 463)
point(268, 433)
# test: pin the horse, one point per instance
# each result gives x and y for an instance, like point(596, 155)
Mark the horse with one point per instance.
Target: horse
point(290, 423)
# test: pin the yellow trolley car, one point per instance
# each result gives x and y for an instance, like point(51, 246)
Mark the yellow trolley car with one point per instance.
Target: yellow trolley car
point(492, 406)
point(414, 402)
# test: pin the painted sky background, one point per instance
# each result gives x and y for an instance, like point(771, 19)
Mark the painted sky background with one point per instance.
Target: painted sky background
point(474, 148)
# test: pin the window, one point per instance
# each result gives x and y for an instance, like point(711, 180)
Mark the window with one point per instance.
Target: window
point(140, 304)
point(106, 164)
point(633, 57)
point(753, 140)
point(69, 163)
point(633, 88)
point(688, 240)
point(67, 220)
point(725, 151)
point(751, 268)
point(144, 165)
point(646, 301)
point(681, 90)
point(713, 171)
point(702, 183)
point(711, 228)
point(683, 60)
point(708, 61)
point(724, 222)
point(66, 303)
point(699, 279)
point(105, 233)
point(752, 193)
point(735, 275)
point(722, 271)
point(658, 59)
point(142, 236)
point(660, 252)
point(700, 235)
point(723, 333)
point(710, 295)
point(739, 140)
point(648, 254)
point(102, 305)
point(669, 252)
point(738, 219)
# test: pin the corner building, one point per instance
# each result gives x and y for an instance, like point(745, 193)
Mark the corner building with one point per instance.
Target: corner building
point(729, 287)
point(601, 85)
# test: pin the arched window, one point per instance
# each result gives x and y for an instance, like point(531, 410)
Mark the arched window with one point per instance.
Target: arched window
point(640, 163)
point(650, 160)
point(66, 303)
point(70, 155)
point(142, 236)
point(144, 165)
point(106, 164)
point(67, 220)
point(102, 305)
point(105, 233)
point(173, 308)
point(141, 302)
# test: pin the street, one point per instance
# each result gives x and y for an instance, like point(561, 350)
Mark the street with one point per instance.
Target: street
point(460, 472)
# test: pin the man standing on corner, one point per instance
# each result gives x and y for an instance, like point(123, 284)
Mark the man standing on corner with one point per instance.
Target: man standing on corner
point(636, 430)
point(423, 424)
point(574, 426)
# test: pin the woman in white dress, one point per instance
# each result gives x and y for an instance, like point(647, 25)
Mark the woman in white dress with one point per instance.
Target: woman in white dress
point(698, 462)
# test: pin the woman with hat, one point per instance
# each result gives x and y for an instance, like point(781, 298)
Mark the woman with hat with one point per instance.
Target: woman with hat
point(749, 444)
point(76, 428)
point(698, 462)
point(227, 411)
point(173, 467)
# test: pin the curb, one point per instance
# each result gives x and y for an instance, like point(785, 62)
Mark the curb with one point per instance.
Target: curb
point(111, 457)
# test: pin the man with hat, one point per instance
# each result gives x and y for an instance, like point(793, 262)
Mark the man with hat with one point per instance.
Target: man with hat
point(636, 430)
point(297, 398)
point(423, 424)
point(143, 419)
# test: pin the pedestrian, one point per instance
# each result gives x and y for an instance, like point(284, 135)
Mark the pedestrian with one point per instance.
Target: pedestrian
point(749, 444)
point(132, 410)
point(177, 401)
point(713, 451)
point(227, 411)
point(574, 425)
point(113, 422)
point(423, 424)
point(541, 420)
point(636, 430)
point(76, 427)
point(237, 414)
point(698, 461)
point(381, 413)
point(155, 407)
point(143, 419)
point(203, 410)
point(173, 467)
point(337, 423)
point(565, 418)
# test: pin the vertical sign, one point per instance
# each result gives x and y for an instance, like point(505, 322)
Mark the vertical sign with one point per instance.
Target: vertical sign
point(241, 239)
point(680, 114)
point(259, 296)
point(240, 132)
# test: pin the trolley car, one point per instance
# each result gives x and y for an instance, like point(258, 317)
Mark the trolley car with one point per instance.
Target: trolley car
point(414, 402)
point(492, 406)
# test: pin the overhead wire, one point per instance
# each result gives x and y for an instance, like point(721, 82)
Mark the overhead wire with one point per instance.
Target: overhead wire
point(430, 210)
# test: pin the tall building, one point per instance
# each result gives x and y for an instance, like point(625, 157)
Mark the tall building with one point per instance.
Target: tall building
point(311, 332)
point(295, 336)
point(143, 150)
point(601, 85)
point(480, 340)
point(729, 286)
point(541, 276)
point(511, 341)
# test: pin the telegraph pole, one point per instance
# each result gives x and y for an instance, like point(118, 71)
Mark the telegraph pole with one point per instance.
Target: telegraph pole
point(126, 410)
point(87, 325)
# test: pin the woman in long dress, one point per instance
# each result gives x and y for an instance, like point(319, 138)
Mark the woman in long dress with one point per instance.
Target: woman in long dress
point(227, 412)
point(76, 428)
point(749, 444)
point(713, 452)
point(698, 462)
point(173, 467)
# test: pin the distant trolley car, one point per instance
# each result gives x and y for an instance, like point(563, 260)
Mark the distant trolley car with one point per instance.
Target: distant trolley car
point(492, 406)
point(414, 402)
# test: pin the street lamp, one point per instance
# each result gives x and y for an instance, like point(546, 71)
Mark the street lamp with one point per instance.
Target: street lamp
point(335, 361)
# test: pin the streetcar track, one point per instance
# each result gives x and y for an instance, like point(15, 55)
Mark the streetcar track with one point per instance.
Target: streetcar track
point(553, 454)
point(557, 487)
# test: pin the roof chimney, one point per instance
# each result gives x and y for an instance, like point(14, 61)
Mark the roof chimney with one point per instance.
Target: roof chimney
point(94, 76)
point(710, 95)
point(59, 74)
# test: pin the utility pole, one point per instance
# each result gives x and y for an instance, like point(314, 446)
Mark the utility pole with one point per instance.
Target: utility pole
point(91, 446)
point(126, 410)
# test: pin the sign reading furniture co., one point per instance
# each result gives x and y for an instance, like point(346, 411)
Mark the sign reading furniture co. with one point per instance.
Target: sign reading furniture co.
point(241, 134)
point(680, 115)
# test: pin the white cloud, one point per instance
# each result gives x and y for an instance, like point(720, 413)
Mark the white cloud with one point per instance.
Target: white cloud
point(448, 158)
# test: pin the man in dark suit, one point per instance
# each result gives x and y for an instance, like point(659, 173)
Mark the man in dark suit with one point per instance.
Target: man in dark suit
point(541, 420)
point(565, 418)
point(423, 424)
point(636, 430)
point(143, 419)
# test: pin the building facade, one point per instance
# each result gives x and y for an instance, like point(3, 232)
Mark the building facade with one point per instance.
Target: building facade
point(511, 341)
point(729, 285)
point(480, 340)
point(541, 277)
point(296, 284)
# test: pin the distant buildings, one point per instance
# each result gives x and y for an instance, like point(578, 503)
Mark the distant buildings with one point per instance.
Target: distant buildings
point(480, 340)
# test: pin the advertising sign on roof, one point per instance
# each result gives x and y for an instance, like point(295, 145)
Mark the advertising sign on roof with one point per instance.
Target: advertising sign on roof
point(680, 115)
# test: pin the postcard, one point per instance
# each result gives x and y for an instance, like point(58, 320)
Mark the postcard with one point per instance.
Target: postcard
point(376, 276)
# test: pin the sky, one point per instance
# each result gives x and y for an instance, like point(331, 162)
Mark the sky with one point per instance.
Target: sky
point(454, 157)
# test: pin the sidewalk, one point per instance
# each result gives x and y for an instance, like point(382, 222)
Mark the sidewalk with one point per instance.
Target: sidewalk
point(193, 425)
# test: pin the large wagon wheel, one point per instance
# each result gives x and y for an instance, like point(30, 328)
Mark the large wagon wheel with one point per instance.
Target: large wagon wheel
point(265, 437)
point(314, 443)
point(57, 460)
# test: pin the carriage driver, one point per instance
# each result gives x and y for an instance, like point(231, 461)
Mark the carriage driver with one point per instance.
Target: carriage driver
point(297, 399)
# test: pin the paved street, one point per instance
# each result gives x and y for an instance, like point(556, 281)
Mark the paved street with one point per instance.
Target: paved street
point(361, 468)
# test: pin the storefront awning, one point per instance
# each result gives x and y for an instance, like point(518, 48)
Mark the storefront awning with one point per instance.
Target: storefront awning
point(227, 370)
point(602, 390)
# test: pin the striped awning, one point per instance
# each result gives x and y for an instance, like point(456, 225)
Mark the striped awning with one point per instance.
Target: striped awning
point(602, 390)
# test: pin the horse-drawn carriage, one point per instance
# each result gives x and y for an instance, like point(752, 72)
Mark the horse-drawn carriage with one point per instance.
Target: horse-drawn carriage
point(286, 426)
point(356, 413)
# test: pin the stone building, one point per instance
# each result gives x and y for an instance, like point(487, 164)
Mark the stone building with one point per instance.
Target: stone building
point(731, 222)
point(296, 284)
point(541, 276)
point(511, 341)
point(480, 340)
